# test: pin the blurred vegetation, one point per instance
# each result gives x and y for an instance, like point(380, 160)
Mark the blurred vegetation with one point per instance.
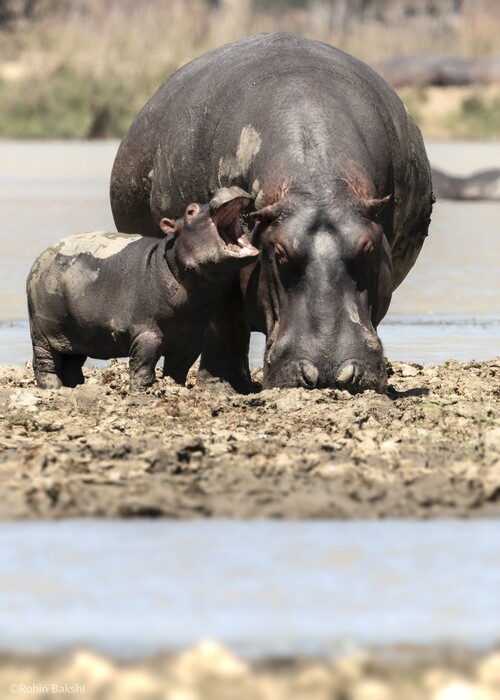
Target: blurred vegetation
point(477, 115)
point(83, 68)
point(415, 100)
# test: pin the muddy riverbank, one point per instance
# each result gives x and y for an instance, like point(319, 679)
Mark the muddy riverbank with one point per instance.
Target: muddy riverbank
point(429, 448)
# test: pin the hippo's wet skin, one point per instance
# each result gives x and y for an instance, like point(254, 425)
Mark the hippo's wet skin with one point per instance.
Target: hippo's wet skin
point(342, 192)
point(108, 295)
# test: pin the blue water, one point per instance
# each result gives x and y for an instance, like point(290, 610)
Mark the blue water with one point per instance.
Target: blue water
point(425, 339)
point(133, 588)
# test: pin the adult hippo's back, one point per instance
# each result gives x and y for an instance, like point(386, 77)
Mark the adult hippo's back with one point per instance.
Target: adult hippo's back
point(342, 190)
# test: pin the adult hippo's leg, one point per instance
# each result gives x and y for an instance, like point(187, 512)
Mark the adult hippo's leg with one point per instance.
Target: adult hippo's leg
point(71, 370)
point(177, 363)
point(178, 368)
point(226, 345)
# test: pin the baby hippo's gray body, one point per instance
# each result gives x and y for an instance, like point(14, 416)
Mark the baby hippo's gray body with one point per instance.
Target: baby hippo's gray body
point(105, 295)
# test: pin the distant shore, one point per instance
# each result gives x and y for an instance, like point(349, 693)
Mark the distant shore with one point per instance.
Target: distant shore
point(429, 448)
point(83, 69)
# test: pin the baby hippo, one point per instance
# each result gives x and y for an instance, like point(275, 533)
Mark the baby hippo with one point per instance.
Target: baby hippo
point(107, 295)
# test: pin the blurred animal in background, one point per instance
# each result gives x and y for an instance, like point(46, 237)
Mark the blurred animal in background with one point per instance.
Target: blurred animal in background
point(481, 185)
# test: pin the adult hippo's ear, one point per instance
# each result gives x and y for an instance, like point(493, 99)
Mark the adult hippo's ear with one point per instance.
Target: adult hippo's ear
point(269, 213)
point(373, 207)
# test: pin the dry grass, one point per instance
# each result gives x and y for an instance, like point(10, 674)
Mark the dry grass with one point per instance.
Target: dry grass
point(81, 60)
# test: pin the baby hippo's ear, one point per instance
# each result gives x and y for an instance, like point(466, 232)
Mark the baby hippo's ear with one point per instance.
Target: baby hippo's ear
point(169, 226)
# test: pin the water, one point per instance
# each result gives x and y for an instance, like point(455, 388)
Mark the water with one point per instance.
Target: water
point(133, 588)
point(448, 307)
point(424, 339)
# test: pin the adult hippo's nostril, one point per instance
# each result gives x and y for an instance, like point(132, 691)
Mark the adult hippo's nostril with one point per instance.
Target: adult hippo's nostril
point(308, 374)
point(351, 375)
point(348, 375)
point(299, 373)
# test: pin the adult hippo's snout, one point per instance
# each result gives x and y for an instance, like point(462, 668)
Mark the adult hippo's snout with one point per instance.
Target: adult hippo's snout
point(352, 375)
point(324, 284)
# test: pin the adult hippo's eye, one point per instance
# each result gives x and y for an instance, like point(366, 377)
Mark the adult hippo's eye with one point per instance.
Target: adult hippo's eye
point(362, 262)
point(365, 249)
point(289, 266)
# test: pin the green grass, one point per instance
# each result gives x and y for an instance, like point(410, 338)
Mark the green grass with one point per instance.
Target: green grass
point(477, 118)
point(70, 104)
point(415, 100)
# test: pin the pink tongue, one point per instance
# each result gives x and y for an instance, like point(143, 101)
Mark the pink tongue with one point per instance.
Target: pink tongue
point(246, 247)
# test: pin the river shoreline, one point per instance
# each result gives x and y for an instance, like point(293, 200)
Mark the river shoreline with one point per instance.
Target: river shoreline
point(429, 448)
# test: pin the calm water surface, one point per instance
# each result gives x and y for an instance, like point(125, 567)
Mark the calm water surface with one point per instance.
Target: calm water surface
point(448, 307)
point(133, 588)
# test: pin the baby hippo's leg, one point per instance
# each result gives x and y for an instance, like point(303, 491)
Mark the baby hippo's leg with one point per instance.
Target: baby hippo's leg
point(145, 352)
point(47, 364)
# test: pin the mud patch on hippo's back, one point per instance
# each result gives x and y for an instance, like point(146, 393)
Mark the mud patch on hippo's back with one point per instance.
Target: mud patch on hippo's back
point(99, 244)
point(70, 270)
point(75, 276)
point(238, 166)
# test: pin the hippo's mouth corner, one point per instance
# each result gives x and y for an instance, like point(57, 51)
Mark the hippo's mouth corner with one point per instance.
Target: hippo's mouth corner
point(227, 221)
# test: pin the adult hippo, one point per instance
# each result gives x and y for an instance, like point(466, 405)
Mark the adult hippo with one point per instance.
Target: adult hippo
point(342, 190)
point(435, 69)
point(425, 69)
point(478, 186)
